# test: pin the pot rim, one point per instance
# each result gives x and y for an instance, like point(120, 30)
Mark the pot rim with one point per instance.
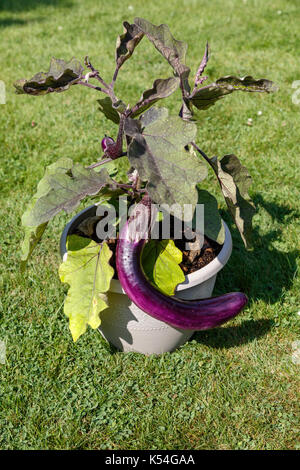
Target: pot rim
point(191, 280)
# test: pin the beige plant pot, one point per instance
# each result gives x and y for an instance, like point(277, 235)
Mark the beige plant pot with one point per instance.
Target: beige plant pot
point(128, 327)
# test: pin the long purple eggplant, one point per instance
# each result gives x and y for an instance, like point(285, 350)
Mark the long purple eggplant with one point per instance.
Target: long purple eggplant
point(189, 315)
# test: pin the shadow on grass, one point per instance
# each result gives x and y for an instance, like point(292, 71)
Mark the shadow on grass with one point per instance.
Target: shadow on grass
point(26, 5)
point(6, 22)
point(264, 273)
point(19, 6)
point(231, 336)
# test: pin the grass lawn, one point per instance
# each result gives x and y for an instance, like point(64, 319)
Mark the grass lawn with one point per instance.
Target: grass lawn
point(234, 387)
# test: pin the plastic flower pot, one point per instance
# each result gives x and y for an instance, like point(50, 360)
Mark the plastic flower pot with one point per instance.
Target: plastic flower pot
point(126, 326)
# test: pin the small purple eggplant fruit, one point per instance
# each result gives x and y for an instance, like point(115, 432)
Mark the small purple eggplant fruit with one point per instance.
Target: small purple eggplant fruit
point(106, 142)
point(111, 148)
point(189, 315)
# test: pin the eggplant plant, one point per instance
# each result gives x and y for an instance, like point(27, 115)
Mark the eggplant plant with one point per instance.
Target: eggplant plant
point(164, 165)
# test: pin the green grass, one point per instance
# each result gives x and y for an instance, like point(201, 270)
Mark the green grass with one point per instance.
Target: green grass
point(235, 387)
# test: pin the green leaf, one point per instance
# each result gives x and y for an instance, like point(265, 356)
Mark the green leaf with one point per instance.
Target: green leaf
point(206, 96)
point(157, 152)
point(65, 193)
point(162, 88)
point(106, 107)
point(88, 273)
point(235, 181)
point(172, 50)
point(153, 115)
point(119, 106)
point(213, 226)
point(127, 42)
point(33, 233)
point(248, 84)
point(117, 169)
point(60, 77)
point(160, 261)
point(186, 111)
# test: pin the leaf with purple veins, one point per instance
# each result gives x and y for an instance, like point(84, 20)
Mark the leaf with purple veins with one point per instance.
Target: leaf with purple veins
point(206, 96)
point(127, 42)
point(60, 77)
point(162, 88)
point(172, 50)
point(199, 79)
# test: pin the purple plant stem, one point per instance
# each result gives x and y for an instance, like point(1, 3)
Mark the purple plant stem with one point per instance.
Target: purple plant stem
point(201, 153)
point(102, 162)
point(89, 85)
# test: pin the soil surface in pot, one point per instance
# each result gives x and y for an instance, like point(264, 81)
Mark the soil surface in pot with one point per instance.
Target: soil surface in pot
point(191, 260)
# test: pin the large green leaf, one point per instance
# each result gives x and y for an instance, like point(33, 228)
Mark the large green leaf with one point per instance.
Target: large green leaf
point(33, 233)
point(88, 273)
point(235, 181)
point(65, 193)
point(60, 77)
point(157, 152)
point(162, 88)
point(106, 107)
point(127, 42)
point(213, 226)
point(160, 261)
point(173, 51)
point(206, 96)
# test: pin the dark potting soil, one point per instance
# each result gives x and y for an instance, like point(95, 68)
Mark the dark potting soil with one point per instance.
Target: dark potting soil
point(191, 260)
